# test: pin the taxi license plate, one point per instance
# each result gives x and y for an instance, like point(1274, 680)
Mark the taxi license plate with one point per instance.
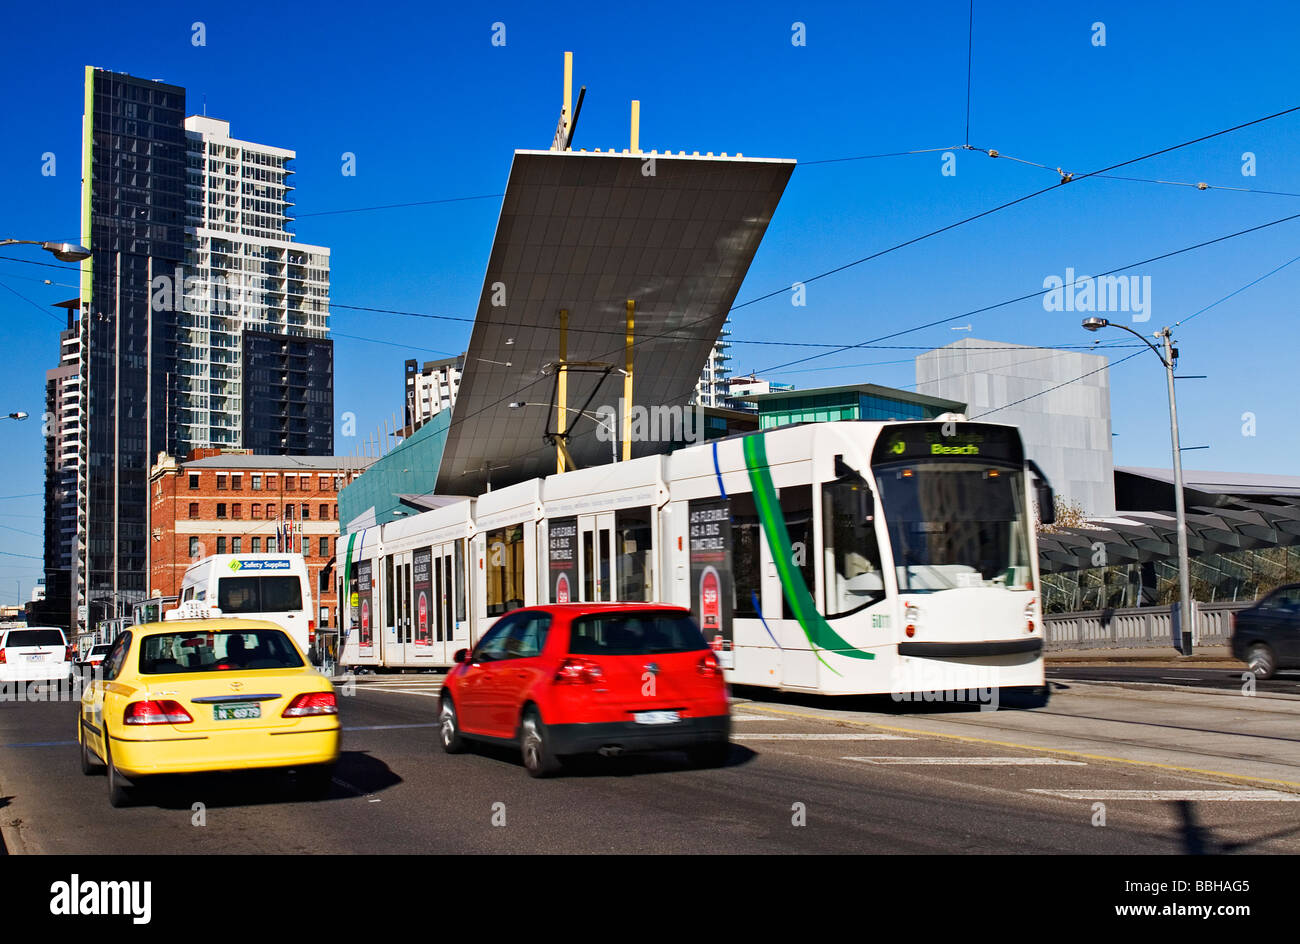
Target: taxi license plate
point(656, 717)
point(236, 712)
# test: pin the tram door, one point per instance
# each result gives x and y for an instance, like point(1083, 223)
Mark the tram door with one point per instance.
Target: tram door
point(398, 641)
point(442, 624)
point(596, 557)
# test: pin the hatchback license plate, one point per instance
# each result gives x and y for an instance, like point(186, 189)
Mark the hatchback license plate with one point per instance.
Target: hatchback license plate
point(656, 717)
point(236, 712)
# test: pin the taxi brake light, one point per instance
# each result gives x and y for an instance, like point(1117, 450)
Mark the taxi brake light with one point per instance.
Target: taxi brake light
point(312, 703)
point(156, 712)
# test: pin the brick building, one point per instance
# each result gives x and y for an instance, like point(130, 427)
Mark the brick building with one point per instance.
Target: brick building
point(234, 502)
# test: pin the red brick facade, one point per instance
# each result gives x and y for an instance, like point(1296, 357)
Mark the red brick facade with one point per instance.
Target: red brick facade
point(227, 502)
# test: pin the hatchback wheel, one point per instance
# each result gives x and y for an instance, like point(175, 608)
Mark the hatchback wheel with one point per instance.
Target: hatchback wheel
point(118, 792)
point(535, 744)
point(449, 728)
point(1260, 660)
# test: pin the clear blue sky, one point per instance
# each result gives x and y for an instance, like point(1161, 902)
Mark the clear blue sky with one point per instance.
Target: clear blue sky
point(433, 110)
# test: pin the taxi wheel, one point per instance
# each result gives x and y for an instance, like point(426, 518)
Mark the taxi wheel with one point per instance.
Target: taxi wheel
point(449, 728)
point(536, 746)
point(118, 795)
point(1261, 662)
point(89, 763)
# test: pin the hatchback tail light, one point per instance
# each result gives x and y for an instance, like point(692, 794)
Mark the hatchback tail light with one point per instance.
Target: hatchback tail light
point(312, 703)
point(3, 657)
point(579, 672)
point(156, 712)
point(708, 666)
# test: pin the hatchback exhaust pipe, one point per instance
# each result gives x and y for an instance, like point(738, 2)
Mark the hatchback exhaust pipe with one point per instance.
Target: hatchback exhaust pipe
point(610, 750)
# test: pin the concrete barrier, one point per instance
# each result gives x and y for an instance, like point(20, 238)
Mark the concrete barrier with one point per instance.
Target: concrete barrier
point(1136, 627)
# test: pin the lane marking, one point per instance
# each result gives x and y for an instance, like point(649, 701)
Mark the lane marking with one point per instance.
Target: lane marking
point(1240, 796)
point(972, 761)
point(1031, 747)
point(820, 737)
point(753, 718)
point(406, 691)
point(41, 744)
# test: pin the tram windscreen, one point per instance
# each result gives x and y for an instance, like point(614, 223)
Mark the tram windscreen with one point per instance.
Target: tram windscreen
point(955, 524)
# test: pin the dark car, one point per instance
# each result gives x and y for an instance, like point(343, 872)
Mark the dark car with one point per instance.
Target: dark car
point(1266, 636)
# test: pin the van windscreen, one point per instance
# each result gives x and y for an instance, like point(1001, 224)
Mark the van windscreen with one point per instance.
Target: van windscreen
point(258, 594)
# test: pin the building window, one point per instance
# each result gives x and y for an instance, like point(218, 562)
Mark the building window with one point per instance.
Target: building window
point(338, 483)
point(237, 510)
point(236, 482)
point(288, 512)
point(221, 545)
point(304, 482)
point(270, 510)
point(221, 481)
point(221, 509)
point(236, 545)
point(194, 548)
point(324, 483)
point(336, 512)
point(194, 480)
point(256, 510)
point(306, 547)
point(290, 483)
point(324, 512)
point(257, 482)
point(270, 481)
point(324, 547)
point(306, 512)
point(194, 509)
point(270, 545)
point(256, 545)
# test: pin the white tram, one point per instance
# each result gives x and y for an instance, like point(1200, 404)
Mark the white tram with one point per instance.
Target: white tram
point(838, 558)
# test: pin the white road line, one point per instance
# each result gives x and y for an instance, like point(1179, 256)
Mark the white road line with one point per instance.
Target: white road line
point(407, 691)
point(972, 761)
point(820, 737)
point(1256, 796)
point(757, 718)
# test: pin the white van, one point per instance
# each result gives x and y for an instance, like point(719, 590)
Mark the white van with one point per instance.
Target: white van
point(34, 653)
point(273, 587)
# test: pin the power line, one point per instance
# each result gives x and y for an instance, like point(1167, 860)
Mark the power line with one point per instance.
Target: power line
point(43, 310)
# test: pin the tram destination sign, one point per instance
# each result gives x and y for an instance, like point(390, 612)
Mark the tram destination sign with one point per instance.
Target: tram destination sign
point(911, 442)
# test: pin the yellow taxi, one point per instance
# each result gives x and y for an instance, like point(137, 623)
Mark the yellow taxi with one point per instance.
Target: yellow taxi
point(196, 695)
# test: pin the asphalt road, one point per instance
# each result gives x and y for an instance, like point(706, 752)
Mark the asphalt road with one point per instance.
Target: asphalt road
point(802, 778)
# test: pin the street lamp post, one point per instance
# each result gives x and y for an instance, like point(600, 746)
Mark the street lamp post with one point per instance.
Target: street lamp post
point(64, 252)
point(594, 417)
point(1167, 358)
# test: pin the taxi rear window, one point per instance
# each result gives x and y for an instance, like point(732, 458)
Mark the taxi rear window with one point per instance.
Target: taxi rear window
point(207, 651)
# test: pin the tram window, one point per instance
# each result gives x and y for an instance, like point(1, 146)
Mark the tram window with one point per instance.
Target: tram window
point(746, 570)
point(390, 611)
point(459, 558)
point(505, 570)
point(588, 567)
point(635, 552)
point(796, 508)
point(853, 575)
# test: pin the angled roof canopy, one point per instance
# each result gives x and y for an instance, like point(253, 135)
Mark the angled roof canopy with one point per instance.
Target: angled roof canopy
point(587, 232)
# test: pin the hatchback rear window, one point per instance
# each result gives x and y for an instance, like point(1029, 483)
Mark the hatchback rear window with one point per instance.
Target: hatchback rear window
point(634, 634)
point(258, 594)
point(35, 637)
point(168, 653)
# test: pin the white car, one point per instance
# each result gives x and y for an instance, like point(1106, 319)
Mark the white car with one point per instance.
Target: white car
point(34, 654)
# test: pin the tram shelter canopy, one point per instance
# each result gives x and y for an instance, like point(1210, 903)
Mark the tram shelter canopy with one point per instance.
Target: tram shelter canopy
point(586, 232)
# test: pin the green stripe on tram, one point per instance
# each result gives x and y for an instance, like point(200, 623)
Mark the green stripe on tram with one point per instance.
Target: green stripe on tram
point(814, 625)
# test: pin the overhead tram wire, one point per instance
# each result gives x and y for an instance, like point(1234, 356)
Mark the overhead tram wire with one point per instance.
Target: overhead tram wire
point(1029, 196)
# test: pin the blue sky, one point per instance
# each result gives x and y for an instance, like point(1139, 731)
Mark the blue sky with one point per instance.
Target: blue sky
point(432, 110)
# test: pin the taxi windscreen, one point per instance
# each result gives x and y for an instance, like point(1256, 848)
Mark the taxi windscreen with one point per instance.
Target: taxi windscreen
point(205, 651)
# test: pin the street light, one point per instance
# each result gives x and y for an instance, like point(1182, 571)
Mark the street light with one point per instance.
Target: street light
point(594, 417)
point(20, 415)
point(1168, 358)
point(64, 252)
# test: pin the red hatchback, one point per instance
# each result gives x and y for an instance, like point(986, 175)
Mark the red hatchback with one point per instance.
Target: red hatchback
point(579, 678)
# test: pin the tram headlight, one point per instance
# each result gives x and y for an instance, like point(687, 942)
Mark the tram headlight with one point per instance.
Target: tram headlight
point(911, 616)
point(1029, 616)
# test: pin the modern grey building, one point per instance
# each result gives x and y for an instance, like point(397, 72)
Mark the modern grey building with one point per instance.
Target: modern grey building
point(192, 267)
point(1059, 399)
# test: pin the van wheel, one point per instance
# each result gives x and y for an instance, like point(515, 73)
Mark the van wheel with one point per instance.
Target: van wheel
point(535, 744)
point(118, 792)
point(1260, 660)
point(449, 728)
